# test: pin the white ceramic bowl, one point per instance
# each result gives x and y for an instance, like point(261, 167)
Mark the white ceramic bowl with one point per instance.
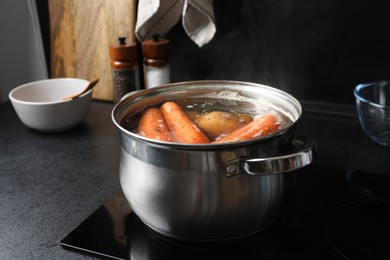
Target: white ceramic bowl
point(40, 104)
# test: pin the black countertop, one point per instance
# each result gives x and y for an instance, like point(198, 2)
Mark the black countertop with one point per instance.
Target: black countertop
point(50, 183)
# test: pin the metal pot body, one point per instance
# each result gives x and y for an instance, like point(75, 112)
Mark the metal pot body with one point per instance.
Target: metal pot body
point(209, 192)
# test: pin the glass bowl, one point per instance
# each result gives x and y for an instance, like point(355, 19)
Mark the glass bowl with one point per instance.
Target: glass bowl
point(373, 107)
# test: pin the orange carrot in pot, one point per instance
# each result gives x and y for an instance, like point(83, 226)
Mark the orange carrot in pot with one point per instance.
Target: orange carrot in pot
point(261, 126)
point(152, 125)
point(182, 129)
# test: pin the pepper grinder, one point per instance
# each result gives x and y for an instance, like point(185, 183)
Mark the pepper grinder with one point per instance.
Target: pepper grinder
point(156, 61)
point(124, 65)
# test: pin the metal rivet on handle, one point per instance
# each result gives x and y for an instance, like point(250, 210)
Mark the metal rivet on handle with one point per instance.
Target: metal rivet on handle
point(233, 167)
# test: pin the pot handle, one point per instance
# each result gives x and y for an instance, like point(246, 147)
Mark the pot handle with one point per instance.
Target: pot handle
point(305, 151)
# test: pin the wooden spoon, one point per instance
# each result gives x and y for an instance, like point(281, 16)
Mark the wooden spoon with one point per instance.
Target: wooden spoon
point(91, 84)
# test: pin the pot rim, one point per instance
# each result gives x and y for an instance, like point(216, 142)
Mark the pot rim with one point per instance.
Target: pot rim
point(160, 89)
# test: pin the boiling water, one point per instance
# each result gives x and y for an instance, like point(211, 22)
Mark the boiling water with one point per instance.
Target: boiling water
point(195, 108)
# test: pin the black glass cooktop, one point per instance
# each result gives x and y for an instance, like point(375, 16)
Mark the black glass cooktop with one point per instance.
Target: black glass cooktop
point(333, 214)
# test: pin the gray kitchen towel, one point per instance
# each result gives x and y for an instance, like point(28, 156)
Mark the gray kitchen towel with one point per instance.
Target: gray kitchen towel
point(159, 16)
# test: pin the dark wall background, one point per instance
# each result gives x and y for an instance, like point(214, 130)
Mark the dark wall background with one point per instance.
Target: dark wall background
point(314, 49)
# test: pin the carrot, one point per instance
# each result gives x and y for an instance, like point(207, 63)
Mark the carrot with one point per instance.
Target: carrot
point(182, 129)
point(261, 126)
point(152, 125)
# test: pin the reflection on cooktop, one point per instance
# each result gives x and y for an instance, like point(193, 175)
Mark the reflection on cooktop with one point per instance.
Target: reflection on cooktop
point(98, 235)
point(274, 242)
point(370, 185)
point(104, 232)
point(310, 227)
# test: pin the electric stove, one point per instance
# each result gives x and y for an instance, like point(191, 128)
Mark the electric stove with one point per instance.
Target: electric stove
point(333, 214)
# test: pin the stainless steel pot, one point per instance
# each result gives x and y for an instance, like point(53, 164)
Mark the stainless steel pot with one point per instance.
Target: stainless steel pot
point(210, 191)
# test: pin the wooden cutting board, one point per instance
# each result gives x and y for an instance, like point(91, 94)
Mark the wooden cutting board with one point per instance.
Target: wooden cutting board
point(81, 33)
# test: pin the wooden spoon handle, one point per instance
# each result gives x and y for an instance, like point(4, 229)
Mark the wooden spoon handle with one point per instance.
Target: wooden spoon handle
point(91, 84)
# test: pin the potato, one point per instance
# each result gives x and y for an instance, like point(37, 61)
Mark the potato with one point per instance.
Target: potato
point(217, 123)
point(193, 115)
point(247, 118)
